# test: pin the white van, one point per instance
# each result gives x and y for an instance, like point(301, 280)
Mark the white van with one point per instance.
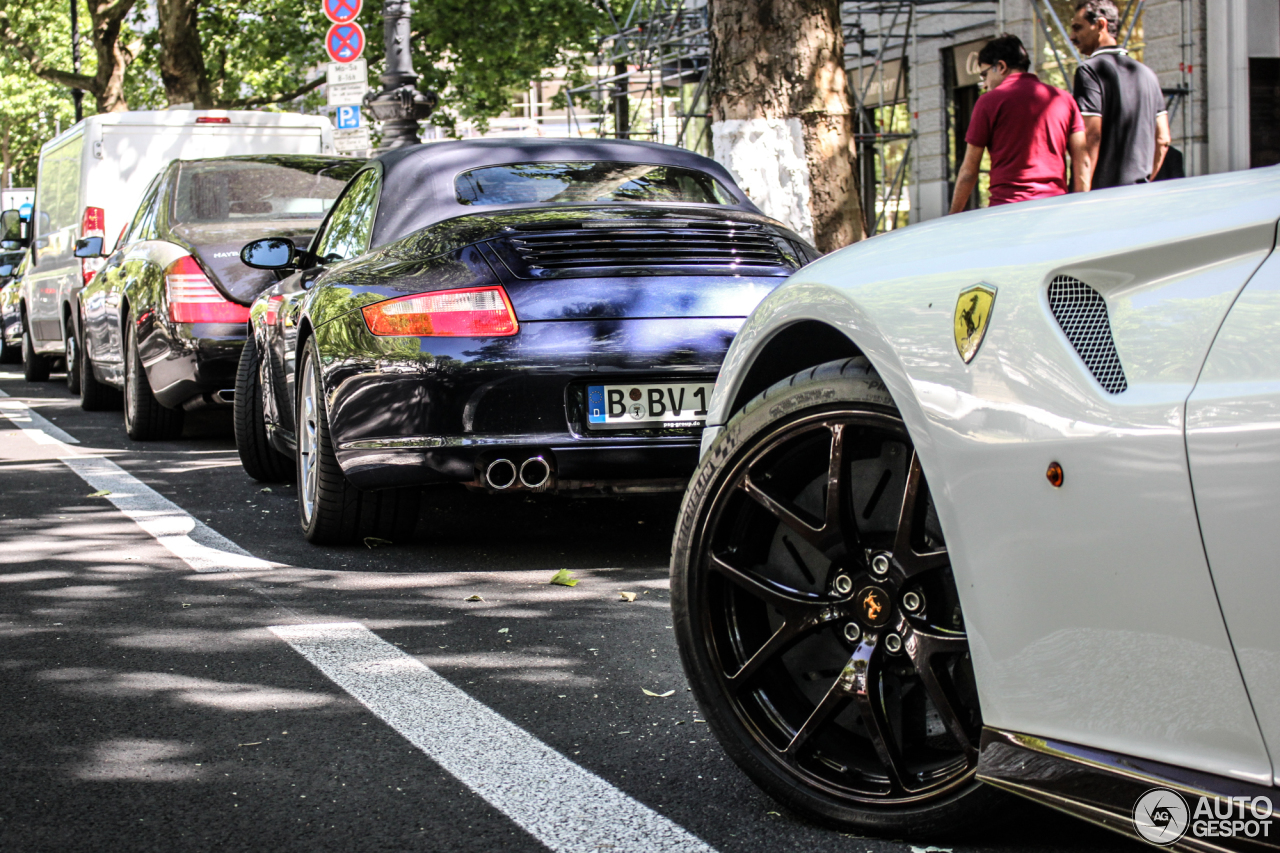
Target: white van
point(90, 181)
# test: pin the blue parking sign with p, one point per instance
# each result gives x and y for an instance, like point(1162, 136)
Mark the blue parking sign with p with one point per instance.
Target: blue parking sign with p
point(348, 117)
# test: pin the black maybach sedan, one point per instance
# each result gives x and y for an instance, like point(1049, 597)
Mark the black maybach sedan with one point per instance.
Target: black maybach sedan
point(533, 314)
point(165, 318)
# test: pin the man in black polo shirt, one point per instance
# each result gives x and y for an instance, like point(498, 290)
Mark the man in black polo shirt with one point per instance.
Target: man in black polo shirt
point(1126, 125)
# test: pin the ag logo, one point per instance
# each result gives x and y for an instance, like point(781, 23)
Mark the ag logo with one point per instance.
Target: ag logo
point(1161, 816)
point(973, 310)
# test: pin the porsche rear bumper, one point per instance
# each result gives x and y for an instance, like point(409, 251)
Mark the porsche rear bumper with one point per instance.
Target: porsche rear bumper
point(406, 411)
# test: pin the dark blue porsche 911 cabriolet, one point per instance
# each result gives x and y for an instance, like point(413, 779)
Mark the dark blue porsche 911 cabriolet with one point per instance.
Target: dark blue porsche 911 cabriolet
point(530, 314)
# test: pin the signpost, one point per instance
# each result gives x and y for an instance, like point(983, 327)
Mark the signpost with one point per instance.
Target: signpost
point(348, 117)
point(347, 82)
point(353, 141)
point(344, 42)
point(342, 11)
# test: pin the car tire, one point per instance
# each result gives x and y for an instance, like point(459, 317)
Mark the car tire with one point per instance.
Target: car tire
point(95, 396)
point(261, 461)
point(800, 683)
point(144, 418)
point(35, 367)
point(331, 510)
point(71, 351)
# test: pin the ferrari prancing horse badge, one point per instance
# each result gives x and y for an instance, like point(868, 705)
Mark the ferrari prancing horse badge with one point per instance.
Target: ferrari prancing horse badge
point(973, 310)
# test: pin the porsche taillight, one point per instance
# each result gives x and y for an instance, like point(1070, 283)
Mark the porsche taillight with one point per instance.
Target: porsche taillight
point(472, 312)
point(194, 299)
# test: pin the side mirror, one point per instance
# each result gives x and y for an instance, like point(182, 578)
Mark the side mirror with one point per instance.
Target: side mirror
point(13, 229)
point(270, 253)
point(89, 247)
point(6, 270)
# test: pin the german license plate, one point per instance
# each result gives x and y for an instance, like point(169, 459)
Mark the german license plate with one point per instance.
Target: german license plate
point(661, 406)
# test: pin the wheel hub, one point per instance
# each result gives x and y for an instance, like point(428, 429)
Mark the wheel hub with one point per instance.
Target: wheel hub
point(875, 606)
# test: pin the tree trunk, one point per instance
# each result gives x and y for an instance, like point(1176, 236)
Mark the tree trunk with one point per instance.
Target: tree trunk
point(114, 56)
point(780, 113)
point(182, 68)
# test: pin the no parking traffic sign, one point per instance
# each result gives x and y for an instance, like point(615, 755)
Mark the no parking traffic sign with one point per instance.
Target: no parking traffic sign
point(342, 11)
point(344, 42)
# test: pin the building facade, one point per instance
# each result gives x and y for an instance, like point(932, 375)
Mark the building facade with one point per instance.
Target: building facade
point(1218, 62)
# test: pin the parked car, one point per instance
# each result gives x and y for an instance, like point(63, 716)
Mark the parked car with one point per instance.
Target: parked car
point(91, 178)
point(12, 268)
point(165, 319)
point(989, 500)
point(539, 315)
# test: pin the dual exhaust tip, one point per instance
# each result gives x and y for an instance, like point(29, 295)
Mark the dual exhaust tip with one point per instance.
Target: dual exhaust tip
point(534, 474)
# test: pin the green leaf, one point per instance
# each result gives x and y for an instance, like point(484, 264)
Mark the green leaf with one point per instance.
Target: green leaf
point(564, 577)
point(375, 542)
point(101, 493)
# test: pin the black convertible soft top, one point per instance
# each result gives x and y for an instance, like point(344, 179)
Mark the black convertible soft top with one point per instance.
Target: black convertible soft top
point(418, 181)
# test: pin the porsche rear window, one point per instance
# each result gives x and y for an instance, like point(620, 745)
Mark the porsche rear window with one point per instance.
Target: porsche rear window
point(561, 183)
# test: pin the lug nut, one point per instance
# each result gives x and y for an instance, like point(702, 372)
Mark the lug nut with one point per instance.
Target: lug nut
point(880, 564)
point(852, 632)
point(843, 584)
point(911, 601)
point(893, 643)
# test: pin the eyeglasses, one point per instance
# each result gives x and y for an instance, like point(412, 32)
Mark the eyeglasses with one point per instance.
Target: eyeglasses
point(982, 72)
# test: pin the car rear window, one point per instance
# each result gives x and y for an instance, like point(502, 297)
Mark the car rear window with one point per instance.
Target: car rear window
point(561, 183)
point(246, 191)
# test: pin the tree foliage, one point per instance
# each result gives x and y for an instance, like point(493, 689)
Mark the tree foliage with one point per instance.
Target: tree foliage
point(149, 54)
point(31, 32)
point(477, 56)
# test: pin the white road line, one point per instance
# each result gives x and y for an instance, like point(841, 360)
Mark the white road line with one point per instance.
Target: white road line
point(199, 546)
point(566, 807)
point(187, 538)
point(34, 426)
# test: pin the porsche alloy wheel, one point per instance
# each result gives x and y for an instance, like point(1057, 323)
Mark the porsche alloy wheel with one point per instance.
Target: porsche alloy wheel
point(332, 511)
point(308, 435)
point(816, 613)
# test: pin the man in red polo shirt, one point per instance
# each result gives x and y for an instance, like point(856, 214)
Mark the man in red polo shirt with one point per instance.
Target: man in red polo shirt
point(1029, 127)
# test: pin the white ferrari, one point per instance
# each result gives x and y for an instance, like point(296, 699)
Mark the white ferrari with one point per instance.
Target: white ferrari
point(992, 503)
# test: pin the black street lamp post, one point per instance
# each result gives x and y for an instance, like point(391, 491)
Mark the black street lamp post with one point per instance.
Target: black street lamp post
point(76, 94)
point(399, 106)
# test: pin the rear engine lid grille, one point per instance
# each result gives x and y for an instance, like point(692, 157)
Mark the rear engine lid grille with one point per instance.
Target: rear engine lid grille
point(639, 248)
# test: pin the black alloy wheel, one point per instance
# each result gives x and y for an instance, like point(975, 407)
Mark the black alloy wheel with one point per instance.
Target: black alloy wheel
point(95, 396)
point(817, 617)
point(260, 460)
point(71, 349)
point(144, 418)
point(35, 367)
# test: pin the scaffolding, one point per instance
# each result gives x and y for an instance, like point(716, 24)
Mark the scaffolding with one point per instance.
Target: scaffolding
point(650, 76)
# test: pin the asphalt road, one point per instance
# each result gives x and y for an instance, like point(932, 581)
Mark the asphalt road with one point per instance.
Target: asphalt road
point(150, 706)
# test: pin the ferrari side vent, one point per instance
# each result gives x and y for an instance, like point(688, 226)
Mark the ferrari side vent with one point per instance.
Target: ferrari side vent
point(1082, 313)
point(597, 245)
